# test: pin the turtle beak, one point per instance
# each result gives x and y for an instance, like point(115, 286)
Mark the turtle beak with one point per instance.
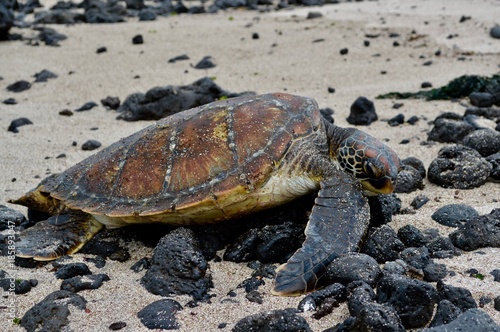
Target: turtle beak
point(383, 185)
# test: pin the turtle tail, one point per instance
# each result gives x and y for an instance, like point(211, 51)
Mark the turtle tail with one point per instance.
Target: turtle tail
point(57, 236)
point(39, 199)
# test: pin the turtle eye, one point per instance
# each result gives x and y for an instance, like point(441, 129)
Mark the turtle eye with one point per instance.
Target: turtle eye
point(373, 168)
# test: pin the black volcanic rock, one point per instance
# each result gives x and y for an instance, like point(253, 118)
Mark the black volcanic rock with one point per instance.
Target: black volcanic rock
point(160, 315)
point(178, 267)
point(480, 232)
point(274, 320)
point(413, 300)
point(454, 215)
point(459, 167)
point(160, 102)
point(362, 112)
point(484, 141)
point(18, 123)
point(51, 314)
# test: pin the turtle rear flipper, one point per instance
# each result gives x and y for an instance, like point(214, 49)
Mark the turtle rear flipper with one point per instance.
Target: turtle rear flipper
point(57, 236)
point(337, 225)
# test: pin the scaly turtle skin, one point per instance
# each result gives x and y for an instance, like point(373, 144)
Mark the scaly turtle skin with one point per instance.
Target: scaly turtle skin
point(217, 162)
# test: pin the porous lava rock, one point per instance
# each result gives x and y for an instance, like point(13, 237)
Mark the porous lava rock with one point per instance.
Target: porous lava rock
point(163, 101)
point(383, 244)
point(484, 141)
point(382, 208)
point(494, 160)
point(362, 112)
point(51, 314)
point(10, 218)
point(270, 244)
point(470, 320)
point(314, 300)
point(275, 320)
point(413, 300)
point(377, 317)
point(79, 283)
point(459, 296)
point(19, 122)
point(353, 267)
point(448, 129)
point(72, 270)
point(446, 312)
point(454, 215)
point(160, 315)
point(459, 167)
point(178, 267)
point(409, 179)
point(480, 232)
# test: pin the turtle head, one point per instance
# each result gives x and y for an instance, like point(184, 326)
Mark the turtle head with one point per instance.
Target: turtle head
point(370, 161)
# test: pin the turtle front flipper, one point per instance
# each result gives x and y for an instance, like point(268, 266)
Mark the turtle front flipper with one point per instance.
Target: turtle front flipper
point(337, 225)
point(57, 236)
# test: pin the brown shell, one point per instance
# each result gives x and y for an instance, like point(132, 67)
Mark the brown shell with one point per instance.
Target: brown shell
point(194, 157)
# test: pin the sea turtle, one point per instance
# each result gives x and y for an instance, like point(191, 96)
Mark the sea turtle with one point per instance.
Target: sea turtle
point(217, 162)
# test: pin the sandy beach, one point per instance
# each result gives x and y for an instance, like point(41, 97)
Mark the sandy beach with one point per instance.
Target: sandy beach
point(292, 54)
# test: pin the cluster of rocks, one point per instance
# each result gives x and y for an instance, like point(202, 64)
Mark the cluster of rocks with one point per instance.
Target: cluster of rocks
point(474, 157)
point(14, 13)
point(378, 283)
point(160, 102)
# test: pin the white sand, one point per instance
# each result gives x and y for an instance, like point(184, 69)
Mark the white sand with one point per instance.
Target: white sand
point(296, 65)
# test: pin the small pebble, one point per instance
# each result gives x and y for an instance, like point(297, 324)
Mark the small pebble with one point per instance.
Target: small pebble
point(66, 112)
point(117, 326)
point(497, 303)
point(137, 40)
point(496, 275)
point(91, 145)
point(344, 51)
point(18, 123)
point(10, 101)
point(19, 86)
point(111, 102)
point(495, 32)
point(44, 76)
point(206, 63)
point(87, 106)
point(101, 49)
point(397, 120)
point(312, 15)
point(419, 201)
point(178, 58)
